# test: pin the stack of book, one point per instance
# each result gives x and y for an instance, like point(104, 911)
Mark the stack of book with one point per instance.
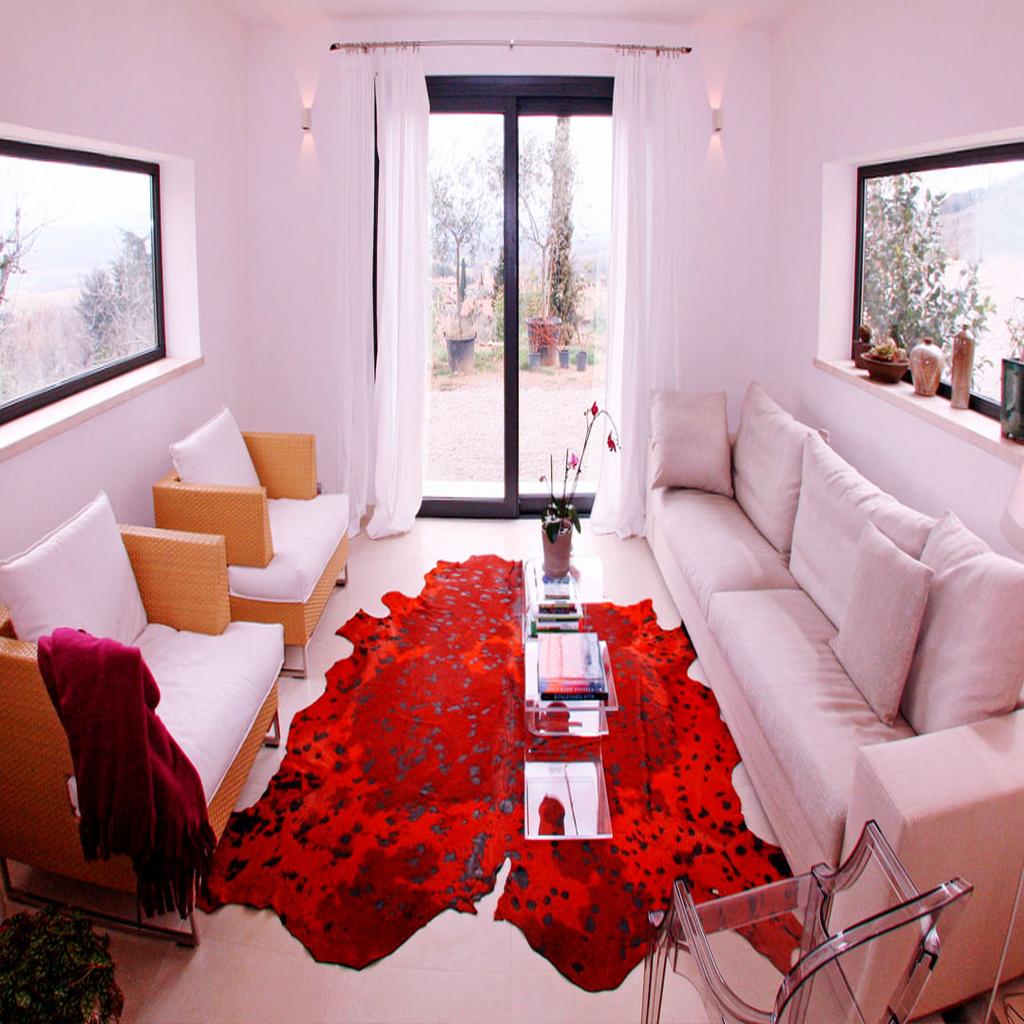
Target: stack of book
point(553, 604)
point(570, 667)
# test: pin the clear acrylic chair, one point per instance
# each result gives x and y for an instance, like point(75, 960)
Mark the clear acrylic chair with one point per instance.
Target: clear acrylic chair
point(864, 942)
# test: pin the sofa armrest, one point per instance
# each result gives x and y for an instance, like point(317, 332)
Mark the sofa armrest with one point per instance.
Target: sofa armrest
point(239, 514)
point(182, 577)
point(285, 463)
point(952, 803)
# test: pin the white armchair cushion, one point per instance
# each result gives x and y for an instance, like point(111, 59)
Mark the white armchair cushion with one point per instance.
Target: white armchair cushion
point(215, 453)
point(77, 576)
point(969, 663)
point(212, 688)
point(306, 533)
point(690, 441)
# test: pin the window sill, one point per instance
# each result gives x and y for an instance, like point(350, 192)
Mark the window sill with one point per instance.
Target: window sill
point(36, 427)
point(981, 431)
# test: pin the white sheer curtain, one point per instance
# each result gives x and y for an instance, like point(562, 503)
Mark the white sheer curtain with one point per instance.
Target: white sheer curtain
point(645, 314)
point(403, 116)
point(355, 285)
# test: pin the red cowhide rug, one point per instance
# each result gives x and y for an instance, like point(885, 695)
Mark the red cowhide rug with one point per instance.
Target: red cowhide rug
point(401, 794)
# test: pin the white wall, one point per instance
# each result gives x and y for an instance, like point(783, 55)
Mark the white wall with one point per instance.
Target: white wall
point(293, 209)
point(168, 77)
point(853, 83)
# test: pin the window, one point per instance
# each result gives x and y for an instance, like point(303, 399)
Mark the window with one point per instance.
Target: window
point(940, 244)
point(80, 281)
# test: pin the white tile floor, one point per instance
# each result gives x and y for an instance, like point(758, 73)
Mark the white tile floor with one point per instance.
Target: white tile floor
point(460, 967)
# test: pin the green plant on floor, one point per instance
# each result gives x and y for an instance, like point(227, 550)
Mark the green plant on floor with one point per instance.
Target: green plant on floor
point(55, 968)
point(561, 510)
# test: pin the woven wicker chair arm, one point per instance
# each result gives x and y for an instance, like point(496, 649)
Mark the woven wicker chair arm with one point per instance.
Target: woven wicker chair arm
point(239, 514)
point(183, 577)
point(285, 463)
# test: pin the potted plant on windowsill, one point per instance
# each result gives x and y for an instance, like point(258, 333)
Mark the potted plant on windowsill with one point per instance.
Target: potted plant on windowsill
point(561, 516)
point(1011, 414)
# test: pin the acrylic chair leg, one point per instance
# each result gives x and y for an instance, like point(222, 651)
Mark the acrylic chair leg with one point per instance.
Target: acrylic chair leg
point(654, 965)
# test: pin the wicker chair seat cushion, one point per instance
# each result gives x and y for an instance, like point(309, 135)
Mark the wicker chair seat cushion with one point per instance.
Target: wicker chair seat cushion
point(305, 535)
point(212, 687)
point(77, 576)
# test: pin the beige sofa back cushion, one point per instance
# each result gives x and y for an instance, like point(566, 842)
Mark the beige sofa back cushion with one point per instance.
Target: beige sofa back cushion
point(835, 502)
point(767, 465)
point(969, 663)
point(690, 441)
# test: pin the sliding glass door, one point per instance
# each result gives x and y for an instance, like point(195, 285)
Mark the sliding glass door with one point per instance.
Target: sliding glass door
point(520, 219)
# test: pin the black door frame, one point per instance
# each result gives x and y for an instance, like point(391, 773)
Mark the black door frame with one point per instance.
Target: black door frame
point(510, 97)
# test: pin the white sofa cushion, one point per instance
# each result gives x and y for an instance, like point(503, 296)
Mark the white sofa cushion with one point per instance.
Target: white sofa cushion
point(77, 576)
point(835, 502)
point(212, 688)
point(690, 441)
point(715, 546)
point(969, 663)
point(215, 453)
point(767, 466)
point(777, 644)
point(305, 535)
point(882, 620)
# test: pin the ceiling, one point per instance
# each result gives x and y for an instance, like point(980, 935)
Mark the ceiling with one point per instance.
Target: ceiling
point(725, 13)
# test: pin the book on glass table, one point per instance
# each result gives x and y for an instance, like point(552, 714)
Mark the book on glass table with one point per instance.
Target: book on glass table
point(554, 605)
point(570, 667)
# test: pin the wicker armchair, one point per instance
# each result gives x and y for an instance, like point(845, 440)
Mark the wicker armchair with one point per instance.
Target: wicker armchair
point(286, 467)
point(182, 580)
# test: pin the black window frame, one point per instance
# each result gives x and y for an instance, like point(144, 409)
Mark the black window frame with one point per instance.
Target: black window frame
point(931, 162)
point(90, 378)
point(511, 96)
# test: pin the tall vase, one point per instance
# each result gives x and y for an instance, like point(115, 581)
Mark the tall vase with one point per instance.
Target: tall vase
point(1011, 414)
point(926, 365)
point(557, 553)
point(963, 364)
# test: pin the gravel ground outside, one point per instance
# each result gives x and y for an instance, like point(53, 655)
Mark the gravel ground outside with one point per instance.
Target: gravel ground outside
point(465, 426)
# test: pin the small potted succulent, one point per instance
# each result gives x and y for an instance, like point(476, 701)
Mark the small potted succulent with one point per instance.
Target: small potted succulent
point(886, 362)
point(54, 967)
point(861, 345)
point(560, 514)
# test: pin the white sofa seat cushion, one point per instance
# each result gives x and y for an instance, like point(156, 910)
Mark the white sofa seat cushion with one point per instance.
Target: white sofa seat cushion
point(305, 534)
point(77, 576)
point(777, 644)
point(212, 688)
point(715, 546)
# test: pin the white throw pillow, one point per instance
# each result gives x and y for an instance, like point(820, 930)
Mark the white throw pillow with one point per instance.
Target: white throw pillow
point(882, 620)
point(767, 466)
point(835, 502)
point(690, 441)
point(969, 663)
point(78, 576)
point(215, 453)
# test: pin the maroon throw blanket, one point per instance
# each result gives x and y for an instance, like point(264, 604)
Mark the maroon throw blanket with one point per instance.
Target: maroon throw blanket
point(138, 793)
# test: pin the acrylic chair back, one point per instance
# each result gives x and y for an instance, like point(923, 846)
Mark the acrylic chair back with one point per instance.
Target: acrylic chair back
point(865, 941)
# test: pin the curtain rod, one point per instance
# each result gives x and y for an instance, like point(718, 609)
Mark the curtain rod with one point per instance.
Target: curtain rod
point(511, 44)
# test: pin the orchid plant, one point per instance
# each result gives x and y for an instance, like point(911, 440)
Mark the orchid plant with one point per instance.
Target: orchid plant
point(561, 511)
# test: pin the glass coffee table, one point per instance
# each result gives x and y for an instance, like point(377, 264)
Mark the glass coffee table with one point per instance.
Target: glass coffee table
point(565, 794)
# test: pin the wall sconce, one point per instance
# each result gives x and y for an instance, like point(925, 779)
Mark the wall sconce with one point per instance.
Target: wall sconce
point(306, 122)
point(716, 119)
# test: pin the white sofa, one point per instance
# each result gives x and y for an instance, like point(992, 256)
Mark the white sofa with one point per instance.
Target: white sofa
point(950, 801)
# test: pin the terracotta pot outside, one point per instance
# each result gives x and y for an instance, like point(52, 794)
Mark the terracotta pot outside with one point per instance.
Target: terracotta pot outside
point(557, 553)
point(544, 332)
